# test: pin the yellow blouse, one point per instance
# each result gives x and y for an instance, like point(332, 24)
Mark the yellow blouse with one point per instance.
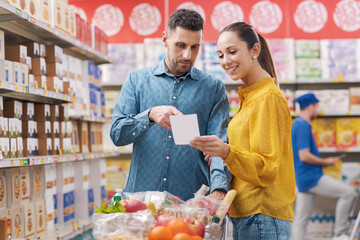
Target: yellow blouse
point(261, 157)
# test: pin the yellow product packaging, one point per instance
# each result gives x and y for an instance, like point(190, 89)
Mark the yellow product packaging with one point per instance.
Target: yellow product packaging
point(334, 171)
point(326, 133)
point(346, 133)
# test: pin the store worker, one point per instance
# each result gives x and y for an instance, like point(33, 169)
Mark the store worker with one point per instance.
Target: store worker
point(147, 100)
point(310, 179)
point(259, 153)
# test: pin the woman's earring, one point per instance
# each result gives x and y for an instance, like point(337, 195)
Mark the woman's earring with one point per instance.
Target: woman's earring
point(254, 57)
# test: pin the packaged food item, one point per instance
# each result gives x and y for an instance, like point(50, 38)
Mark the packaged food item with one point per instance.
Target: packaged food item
point(40, 216)
point(25, 183)
point(29, 220)
point(17, 219)
point(326, 134)
point(16, 187)
point(351, 174)
point(346, 133)
point(3, 190)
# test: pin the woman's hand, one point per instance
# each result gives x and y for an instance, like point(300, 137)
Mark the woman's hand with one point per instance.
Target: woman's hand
point(211, 145)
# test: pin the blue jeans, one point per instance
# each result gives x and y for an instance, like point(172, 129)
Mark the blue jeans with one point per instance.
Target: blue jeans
point(261, 227)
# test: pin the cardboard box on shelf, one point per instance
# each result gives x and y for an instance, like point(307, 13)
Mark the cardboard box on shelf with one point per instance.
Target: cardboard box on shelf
point(31, 80)
point(30, 147)
point(72, 23)
point(33, 49)
point(22, 5)
point(66, 15)
point(20, 147)
point(50, 211)
point(25, 183)
point(37, 182)
point(56, 130)
point(3, 189)
point(40, 216)
point(29, 129)
point(1, 106)
point(56, 148)
point(12, 109)
point(17, 219)
point(1, 128)
point(16, 53)
point(45, 13)
point(346, 133)
point(16, 195)
point(38, 66)
point(51, 83)
point(68, 147)
point(54, 54)
point(29, 220)
point(16, 73)
point(13, 147)
point(32, 8)
point(54, 69)
point(42, 112)
point(5, 127)
point(5, 226)
point(28, 109)
point(29, 62)
point(42, 50)
point(354, 100)
point(5, 147)
point(55, 112)
point(57, 14)
point(78, 70)
point(41, 82)
point(88, 34)
point(9, 71)
point(45, 146)
point(24, 74)
point(80, 30)
point(62, 129)
point(2, 45)
point(50, 177)
point(2, 70)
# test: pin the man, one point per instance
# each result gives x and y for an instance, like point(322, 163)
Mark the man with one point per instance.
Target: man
point(174, 87)
point(310, 179)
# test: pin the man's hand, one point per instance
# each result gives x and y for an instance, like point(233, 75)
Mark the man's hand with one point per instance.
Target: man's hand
point(208, 159)
point(217, 194)
point(161, 115)
point(331, 160)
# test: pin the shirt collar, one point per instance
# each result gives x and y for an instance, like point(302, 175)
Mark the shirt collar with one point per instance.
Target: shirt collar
point(161, 68)
point(245, 91)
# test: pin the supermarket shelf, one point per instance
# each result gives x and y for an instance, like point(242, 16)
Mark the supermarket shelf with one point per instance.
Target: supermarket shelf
point(110, 84)
point(89, 119)
point(40, 160)
point(32, 94)
point(68, 230)
point(20, 27)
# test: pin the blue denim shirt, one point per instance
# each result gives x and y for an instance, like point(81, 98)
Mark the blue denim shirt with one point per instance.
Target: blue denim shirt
point(157, 164)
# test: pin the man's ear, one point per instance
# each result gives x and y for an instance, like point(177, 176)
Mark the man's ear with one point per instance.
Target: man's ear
point(165, 38)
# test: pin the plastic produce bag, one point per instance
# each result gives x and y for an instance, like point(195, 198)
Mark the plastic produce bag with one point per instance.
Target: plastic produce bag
point(134, 225)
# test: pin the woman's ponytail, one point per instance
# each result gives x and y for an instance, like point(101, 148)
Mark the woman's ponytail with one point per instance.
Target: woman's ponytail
point(265, 59)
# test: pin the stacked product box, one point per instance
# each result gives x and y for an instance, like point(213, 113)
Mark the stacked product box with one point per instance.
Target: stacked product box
point(65, 189)
point(29, 126)
point(308, 62)
point(340, 59)
point(50, 194)
point(84, 195)
point(15, 65)
point(98, 171)
point(44, 128)
point(54, 68)
point(12, 139)
point(283, 54)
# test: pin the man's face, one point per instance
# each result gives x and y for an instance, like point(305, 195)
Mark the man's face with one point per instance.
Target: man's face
point(182, 49)
point(315, 110)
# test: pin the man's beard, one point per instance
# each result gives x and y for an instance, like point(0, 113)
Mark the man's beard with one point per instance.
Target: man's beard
point(177, 69)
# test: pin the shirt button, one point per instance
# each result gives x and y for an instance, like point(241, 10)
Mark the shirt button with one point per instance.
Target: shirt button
point(164, 179)
point(174, 97)
point(167, 157)
point(133, 133)
point(178, 81)
point(145, 127)
point(169, 136)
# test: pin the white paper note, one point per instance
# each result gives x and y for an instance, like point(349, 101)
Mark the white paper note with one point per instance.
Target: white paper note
point(184, 128)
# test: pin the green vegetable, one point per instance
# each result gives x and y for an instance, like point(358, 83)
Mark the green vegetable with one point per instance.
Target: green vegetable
point(115, 208)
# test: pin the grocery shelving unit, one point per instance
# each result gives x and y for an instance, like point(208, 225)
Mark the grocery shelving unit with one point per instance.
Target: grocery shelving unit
point(20, 27)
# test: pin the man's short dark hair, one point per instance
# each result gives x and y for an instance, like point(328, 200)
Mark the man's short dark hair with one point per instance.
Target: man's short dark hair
point(186, 18)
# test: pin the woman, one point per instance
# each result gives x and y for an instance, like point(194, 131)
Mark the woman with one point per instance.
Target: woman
point(259, 153)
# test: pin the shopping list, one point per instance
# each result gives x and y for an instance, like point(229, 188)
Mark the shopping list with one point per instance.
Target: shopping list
point(184, 128)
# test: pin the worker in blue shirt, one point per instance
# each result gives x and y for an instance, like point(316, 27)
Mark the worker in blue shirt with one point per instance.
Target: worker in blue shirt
point(310, 179)
point(173, 87)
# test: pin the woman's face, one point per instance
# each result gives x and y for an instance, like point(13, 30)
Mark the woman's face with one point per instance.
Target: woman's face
point(235, 57)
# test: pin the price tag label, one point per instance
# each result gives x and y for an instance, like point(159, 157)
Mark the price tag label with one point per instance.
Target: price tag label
point(1, 84)
point(42, 160)
point(33, 20)
point(16, 87)
point(49, 28)
point(18, 11)
point(24, 89)
point(12, 163)
point(21, 162)
point(66, 37)
point(73, 226)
